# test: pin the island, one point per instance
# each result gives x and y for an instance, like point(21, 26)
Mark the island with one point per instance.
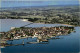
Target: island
point(43, 34)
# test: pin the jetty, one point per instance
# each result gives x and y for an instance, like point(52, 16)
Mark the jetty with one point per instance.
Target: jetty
point(6, 44)
point(27, 25)
point(32, 42)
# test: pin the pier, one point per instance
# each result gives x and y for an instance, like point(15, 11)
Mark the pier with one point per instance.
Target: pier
point(27, 24)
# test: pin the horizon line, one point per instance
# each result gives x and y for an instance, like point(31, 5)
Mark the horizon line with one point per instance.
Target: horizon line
point(42, 6)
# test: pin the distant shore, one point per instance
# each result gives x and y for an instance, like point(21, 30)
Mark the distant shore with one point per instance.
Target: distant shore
point(47, 23)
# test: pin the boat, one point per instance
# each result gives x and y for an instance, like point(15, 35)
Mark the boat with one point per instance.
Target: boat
point(24, 20)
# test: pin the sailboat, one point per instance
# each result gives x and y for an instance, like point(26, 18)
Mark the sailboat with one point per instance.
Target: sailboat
point(24, 19)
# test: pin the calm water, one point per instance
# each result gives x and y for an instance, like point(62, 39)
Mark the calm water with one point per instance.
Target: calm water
point(6, 24)
point(67, 43)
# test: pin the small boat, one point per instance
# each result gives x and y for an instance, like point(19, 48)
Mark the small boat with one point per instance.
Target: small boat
point(24, 20)
point(16, 38)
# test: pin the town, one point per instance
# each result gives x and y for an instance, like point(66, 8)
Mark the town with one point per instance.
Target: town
point(41, 33)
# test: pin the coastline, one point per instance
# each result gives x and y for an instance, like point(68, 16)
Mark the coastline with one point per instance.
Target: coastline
point(26, 20)
point(50, 23)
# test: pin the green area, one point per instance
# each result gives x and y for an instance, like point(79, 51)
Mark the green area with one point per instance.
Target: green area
point(49, 14)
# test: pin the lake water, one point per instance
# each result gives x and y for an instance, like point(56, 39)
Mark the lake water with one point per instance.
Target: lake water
point(66, 44)
point(6, 24)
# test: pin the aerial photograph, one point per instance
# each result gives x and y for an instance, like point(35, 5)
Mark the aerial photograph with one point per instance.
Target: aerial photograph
point(39, 26)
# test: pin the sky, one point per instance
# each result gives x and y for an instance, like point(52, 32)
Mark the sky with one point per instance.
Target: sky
point(20, 3)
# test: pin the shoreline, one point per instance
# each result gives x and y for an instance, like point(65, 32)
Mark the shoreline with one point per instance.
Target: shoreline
point(26, 20)
point(46, 23)
point(50, 23)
